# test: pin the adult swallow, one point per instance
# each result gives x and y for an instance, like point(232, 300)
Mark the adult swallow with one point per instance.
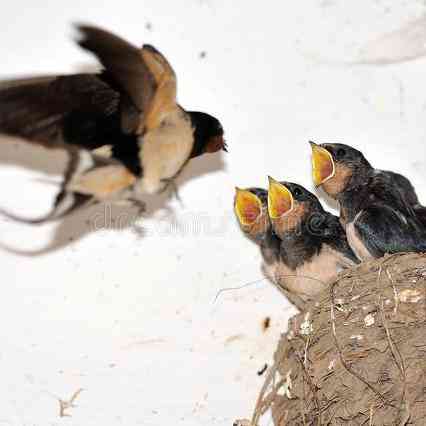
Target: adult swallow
point(129, 107)
point(251, 210)
point(313, 245)
point(376, 207)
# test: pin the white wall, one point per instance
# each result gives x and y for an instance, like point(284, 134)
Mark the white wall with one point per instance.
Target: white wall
point(130, 318)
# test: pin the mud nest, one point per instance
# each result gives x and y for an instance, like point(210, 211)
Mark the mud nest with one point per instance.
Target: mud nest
point(357, 356)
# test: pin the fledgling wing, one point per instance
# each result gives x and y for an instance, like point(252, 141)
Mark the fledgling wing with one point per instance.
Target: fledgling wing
point(387, 222)
point(394, 190)
point(404, 186)
point(384, 229)
point(420, 212)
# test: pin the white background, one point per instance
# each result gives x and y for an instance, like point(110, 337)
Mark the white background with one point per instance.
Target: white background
point(132, 318)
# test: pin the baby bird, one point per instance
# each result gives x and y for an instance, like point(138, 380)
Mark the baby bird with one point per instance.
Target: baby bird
point(378, 209)
point(313, 244)
point(251, 210)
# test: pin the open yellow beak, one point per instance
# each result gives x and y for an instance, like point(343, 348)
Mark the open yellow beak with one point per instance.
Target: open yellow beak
point(280, 199)
point(323, 167)
point(248, 206)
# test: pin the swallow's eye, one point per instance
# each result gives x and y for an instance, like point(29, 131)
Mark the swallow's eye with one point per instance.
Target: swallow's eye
point(297, 192)
point(340, 153)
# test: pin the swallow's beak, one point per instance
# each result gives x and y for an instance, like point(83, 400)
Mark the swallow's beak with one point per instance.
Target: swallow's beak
point(216, 143)
point(248, 206)
point(280, 199)
point(323, 167)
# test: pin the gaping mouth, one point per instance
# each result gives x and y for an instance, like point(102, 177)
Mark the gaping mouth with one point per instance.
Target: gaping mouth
point(248, 206)
point(323, 167)
point(280, 199)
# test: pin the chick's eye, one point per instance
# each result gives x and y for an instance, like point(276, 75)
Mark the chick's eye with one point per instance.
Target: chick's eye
point(297, 192)
point(340, 153)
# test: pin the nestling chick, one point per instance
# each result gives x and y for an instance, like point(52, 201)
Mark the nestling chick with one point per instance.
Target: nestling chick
point(378, 209)
point(251, 210)
point(313, 246)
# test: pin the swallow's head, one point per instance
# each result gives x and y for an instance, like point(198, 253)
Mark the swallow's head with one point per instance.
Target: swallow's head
point(250, 206)
point(208, 134)
point(290, 205)
point(335, 166)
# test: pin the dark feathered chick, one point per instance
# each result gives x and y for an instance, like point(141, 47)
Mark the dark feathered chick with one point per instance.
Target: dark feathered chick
point(379, 209)
point(130, 107)
point(313, 246)
point(251, 210)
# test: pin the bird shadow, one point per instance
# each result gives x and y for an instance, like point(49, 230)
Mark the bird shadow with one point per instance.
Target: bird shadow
point(100, 217)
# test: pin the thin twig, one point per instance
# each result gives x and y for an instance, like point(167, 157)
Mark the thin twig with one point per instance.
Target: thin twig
point(223, 290)
point(277, 282)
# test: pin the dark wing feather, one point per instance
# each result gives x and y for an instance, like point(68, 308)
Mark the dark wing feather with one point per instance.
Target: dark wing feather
point(89, 111)
point(405, 187)
point(384, 229)
point(125, 64)
point(409, 194)
point(78, 109)
point(420, 212)
point(393, 190)
point(25, 81)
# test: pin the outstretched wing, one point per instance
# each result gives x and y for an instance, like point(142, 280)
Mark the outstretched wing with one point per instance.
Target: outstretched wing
point(77, 109)
point(83, 112)
point(136, 88)
point(143, 75)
